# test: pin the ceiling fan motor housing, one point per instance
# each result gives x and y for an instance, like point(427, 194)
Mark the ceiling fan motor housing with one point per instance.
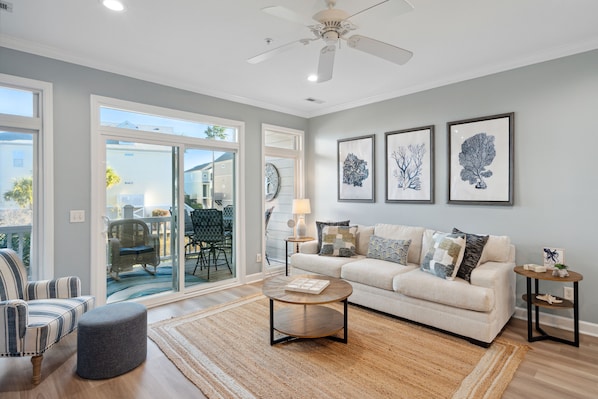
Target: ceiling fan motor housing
point(333, 25)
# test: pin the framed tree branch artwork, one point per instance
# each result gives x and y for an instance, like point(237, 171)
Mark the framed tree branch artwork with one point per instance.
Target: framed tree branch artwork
point(356, 169)
point(481, 160)
point(410, 165)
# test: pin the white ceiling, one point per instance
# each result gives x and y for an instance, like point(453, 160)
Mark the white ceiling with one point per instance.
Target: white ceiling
point(202, 45)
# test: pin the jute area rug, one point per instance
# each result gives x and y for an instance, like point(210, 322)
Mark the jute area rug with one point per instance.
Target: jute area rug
point(225, 351)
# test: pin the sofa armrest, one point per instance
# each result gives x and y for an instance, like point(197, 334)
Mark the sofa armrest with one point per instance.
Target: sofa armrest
point(309, 247)
point(63, 288)
point(14, 317)
point(491, 274)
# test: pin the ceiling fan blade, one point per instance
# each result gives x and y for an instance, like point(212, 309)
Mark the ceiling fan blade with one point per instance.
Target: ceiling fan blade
point(380, 49)
point(393, 7)
point(275, 51)
point(326, 63)
point(288, 14)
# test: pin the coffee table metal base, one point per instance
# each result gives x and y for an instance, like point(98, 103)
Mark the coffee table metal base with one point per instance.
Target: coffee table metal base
point(308, 321)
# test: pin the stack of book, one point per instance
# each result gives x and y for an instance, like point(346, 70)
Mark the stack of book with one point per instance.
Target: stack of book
point(307, 285)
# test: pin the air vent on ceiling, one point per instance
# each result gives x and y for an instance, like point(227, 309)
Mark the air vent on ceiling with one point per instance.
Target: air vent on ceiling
point(5, 6)
point(314, 100)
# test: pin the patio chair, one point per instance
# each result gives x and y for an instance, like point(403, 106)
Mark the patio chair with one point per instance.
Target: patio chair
point(208, 227)
point(267, 216)
point(130, 244)
point(34, 315)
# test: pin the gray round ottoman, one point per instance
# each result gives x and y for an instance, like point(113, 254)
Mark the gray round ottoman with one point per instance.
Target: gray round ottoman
point(111, 340)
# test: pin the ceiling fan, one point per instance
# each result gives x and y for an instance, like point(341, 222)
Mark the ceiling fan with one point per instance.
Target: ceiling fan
point(332, 26)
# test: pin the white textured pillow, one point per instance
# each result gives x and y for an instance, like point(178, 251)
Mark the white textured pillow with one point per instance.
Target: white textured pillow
point(496, 249)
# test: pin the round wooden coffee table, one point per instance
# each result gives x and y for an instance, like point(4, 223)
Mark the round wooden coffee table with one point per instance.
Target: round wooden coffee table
point(304, 317)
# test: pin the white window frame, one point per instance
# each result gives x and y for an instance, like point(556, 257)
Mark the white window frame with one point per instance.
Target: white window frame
point(42, 233)
point(98, 167)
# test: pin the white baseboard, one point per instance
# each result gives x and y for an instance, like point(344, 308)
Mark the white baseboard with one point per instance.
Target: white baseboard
point(564, 323)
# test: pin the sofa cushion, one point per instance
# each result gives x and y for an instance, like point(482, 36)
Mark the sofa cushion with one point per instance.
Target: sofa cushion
point(474, 245)
point(326, 265)
point(457, 293)
point(320, 226)
point(374, 272)
point(362, 239)
point(388, 249)
point(398, 232)
point(444, 258)
point(497, 249)
point(338, 241)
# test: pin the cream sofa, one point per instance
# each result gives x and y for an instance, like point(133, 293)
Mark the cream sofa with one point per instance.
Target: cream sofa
point(477, 311)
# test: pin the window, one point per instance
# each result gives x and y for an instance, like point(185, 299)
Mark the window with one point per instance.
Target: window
point(26, 173)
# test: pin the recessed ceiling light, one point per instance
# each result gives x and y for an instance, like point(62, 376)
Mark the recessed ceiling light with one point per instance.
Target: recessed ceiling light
point(114, 5)
point(312, 78)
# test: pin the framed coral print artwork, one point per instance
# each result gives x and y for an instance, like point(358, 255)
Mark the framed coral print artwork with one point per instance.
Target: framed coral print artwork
point(356, 169)
point(481, 160)
point(410, 165)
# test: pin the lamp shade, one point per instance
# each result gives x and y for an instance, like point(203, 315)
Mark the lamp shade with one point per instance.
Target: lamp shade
point(301, 206)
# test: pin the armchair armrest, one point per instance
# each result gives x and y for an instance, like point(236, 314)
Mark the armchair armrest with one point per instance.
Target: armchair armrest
point(14, 318)
point(62, 287)
point(154, 241)
point(113, 248)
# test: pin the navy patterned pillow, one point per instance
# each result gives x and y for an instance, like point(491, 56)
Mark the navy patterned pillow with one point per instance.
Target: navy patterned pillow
point(474, 245)
point(388, 249)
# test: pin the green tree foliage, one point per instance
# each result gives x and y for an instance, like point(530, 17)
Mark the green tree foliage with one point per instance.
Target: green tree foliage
point(215, 132)
point(21, 192)
point(112, 178)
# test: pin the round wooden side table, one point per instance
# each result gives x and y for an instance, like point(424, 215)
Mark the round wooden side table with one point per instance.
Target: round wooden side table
point(531, 299)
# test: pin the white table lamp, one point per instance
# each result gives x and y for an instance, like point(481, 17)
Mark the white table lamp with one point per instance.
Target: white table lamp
point(301, 207)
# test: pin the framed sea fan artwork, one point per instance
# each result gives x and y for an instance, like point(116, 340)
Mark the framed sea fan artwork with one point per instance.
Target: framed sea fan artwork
point(480, 158)
point(356, 169)
point(410, 165)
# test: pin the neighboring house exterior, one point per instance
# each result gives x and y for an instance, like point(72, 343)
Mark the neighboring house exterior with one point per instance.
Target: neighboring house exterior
point(16, 161)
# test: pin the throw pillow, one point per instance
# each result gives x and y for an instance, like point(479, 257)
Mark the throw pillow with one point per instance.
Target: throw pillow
point(321, 225)
point(338, 241)
point(474, 245)
point(388, 249)
point(444, 258)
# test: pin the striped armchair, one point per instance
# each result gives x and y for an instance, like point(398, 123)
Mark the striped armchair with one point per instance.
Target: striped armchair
point(34, 315)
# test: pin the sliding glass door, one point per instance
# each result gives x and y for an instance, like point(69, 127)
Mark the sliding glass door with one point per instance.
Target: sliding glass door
point(169, 205)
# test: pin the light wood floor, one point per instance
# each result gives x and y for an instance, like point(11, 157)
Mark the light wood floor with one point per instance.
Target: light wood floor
point(550, 370)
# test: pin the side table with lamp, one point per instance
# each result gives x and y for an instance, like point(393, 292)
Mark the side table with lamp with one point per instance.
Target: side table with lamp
point(301, 207)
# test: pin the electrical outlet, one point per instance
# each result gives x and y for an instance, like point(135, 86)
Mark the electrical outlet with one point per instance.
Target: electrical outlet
point(77, 216)
point(258, 258)
point(568, 293)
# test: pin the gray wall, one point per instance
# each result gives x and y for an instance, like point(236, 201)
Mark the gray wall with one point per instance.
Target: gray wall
point(556, 141)
point(73, 86)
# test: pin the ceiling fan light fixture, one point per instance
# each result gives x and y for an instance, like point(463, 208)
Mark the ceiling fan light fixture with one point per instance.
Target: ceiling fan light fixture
point(114, 5)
